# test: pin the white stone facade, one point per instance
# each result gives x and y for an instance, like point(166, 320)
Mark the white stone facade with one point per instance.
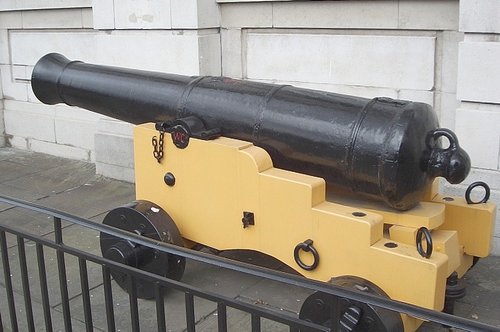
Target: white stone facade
point(442, 52)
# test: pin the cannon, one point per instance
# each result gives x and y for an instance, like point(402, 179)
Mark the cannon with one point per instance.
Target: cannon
point(230, 164)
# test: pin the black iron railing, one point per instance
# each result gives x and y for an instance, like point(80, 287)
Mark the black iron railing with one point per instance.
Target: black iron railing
point(161, 284)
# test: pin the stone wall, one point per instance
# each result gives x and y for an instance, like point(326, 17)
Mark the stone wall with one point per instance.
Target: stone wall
point(169, 36)
point(441, 52)
point(478, 89)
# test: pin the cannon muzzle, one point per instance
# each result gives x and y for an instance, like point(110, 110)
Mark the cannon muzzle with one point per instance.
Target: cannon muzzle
point(380, 148)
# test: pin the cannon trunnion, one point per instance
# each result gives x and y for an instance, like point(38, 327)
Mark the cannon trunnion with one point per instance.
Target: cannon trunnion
point(233, 164)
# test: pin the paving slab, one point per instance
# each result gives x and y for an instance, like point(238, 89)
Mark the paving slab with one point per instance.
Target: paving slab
point(38, 316)
point(14, 192)
point(238, 321)
point(16, 163)
point(11, 170)
point(175, 311)
point(62, 177)
point(26, 221)
point(51, 267)
point(92, 198)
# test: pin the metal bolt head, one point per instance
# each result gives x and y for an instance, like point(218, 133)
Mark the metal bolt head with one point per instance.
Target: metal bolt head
point(169, 179)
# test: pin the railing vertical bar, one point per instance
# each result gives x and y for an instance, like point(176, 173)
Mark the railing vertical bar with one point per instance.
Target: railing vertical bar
point(63, 281)
point(221, 317)
point(108, 298)
point(1, 322)
point(134, 309)
point(160, 308)
point(25, 283)
point(255, 323)
point(190, 320)
point(84, 282)
point(8, 282)
point(42, 273)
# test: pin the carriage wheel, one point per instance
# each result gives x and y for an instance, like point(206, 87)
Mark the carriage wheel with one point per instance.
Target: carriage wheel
point(146, 219)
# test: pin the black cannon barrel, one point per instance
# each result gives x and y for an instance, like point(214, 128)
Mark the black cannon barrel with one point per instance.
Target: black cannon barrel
point(381, 148)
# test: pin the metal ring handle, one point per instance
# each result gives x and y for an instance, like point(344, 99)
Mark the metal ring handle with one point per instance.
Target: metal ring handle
point(428, 238)
point(474, 185)
point(307, 246)
point(452, 163)
point(439, 132)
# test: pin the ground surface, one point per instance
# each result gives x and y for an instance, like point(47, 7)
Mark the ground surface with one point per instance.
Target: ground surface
point(73, 187)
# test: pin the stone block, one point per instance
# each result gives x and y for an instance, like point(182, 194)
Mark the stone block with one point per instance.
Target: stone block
point(8, 5)
point(209, 55)
point(417, 95)
point(152, 14)
point(480, 16)
point(194, 14)
point(166, 51)
point(232, 65)
point(447, 61)
point(448, 105)
point(428, 15)
point(87, 18)
point(55, 18)
point(22, 106)
point(114, 150)
point(479, 136)
point(156, 51)
point(28, 122)
point(11, 20)
point(63, 111)
point(246, 15)
point(18, 142)
point(59, 150)
point(4, 47)
point(496, 246)
point(2, 126)
point(491, 177)
point(10, 88)
point(115, 172)
point(75, 133)
point(42, 4)
point(27, 47)
point(103, 14)
point(479, 72)
point(19, 73)
point(336, 14)
point(108, 125)
point(208, 14)
point(400, 62)
point(184, 14)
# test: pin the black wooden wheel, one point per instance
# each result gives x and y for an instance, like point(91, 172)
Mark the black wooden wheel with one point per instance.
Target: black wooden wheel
point(149, 220)
point(342, 314)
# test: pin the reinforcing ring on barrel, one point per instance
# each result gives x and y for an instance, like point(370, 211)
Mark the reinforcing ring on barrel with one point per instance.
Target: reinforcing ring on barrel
point(428, 238)
point(474, 185)
point(307, 246)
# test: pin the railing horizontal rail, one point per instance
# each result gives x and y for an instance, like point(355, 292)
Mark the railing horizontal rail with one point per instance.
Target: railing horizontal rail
point(422, 313)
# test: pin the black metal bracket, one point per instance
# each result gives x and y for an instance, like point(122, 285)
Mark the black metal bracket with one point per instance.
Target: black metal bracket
point(248, 219)
point(181, 130)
